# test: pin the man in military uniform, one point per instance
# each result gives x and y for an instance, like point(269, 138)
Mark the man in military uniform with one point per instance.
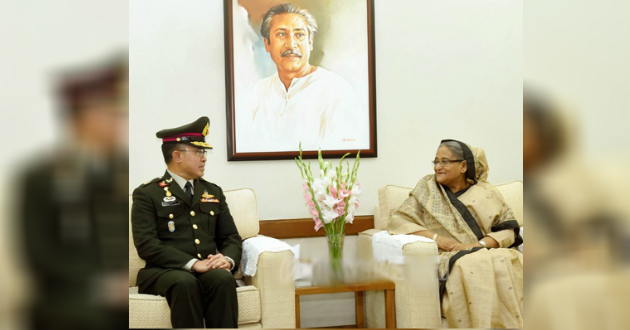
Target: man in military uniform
point(183, 229)
point(75, 238)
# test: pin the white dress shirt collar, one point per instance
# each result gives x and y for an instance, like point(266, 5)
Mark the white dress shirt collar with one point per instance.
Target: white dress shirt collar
point(181, 181)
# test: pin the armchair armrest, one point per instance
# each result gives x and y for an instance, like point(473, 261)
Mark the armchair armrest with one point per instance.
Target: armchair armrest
point(253, 247)
point(272, 275)
point(394, 247)
point(274, 279)
point(417, 286)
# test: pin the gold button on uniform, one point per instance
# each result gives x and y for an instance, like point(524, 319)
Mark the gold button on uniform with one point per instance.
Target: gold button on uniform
point(197, 241)
point(170, 216)
point(211, 212)
point(195, 226)
point(199, 255)
point(192, 213)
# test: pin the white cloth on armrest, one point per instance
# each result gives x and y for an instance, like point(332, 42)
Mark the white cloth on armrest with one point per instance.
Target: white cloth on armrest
point(388, 247)
point(254, 246)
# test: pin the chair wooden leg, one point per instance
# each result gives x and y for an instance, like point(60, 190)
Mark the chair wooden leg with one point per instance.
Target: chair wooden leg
point(297, 312)
point(390, 309)
point(358, 308)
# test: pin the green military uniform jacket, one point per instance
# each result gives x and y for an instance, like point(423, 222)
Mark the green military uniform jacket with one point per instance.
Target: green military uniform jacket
point(169, 231)
point(73, 219)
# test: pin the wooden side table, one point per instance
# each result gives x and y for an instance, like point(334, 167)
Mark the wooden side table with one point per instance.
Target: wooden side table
point(359, 291)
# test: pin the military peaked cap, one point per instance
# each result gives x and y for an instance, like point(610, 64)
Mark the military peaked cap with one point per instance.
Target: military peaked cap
point(105, 81)
point(193, 134)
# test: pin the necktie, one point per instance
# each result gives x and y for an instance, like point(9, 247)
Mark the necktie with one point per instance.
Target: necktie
point(188, 191)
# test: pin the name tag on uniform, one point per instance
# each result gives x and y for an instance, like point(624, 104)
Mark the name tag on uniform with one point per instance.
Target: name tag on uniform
point(170, 203)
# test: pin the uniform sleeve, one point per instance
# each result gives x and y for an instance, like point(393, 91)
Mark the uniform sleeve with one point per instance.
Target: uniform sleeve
point(229, 242)
point(406, 219)
point(145, 235)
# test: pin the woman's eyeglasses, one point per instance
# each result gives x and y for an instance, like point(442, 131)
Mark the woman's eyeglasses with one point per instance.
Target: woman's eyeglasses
point(445, 162)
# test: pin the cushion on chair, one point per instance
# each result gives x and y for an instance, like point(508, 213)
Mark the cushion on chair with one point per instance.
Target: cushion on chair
point(150, 311)
point(244, 209)
point(248, 304)
point(390, 198)
point(512, 192)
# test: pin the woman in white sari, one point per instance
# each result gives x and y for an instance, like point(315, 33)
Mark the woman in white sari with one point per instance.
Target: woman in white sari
point(481, 276)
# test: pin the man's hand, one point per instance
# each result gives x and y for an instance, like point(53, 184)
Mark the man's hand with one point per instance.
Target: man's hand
point(201, 266)
point(218, 261)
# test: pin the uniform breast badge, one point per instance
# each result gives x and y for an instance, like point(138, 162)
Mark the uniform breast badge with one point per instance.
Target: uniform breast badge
point(169, 200)
point(206, 198)
point(171, 226)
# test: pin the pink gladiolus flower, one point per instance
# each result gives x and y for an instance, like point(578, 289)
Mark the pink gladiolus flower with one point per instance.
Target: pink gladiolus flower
point(314, 212)
point(318, 223)
point(333, 191)
point(341, 208)
point(340, 211)
point(343, 193)
point(308, 197)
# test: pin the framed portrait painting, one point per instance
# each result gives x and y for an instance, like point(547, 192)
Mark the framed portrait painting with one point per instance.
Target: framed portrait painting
point(299, 73)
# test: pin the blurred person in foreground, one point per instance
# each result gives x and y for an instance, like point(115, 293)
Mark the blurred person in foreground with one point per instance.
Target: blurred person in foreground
point(74, 206)
point(183, 229)
point(481, 277)
point(578, 275)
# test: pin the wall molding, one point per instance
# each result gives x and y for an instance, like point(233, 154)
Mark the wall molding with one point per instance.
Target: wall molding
point(304, 227)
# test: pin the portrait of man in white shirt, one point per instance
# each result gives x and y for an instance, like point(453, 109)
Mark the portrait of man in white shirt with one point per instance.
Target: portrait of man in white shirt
point(300, 102)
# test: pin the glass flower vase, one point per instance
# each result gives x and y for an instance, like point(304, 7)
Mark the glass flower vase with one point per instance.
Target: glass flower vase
point(335, 249)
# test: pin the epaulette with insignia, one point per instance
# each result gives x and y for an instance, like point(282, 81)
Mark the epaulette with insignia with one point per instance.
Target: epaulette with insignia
point(150, 182)
point(208, 182)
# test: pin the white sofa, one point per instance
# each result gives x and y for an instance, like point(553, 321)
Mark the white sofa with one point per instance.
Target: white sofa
point(417, 300)
point(268, 299)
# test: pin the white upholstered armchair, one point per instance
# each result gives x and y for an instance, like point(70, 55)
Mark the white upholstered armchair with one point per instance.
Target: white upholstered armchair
point(268, 298)
point(417, 295)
